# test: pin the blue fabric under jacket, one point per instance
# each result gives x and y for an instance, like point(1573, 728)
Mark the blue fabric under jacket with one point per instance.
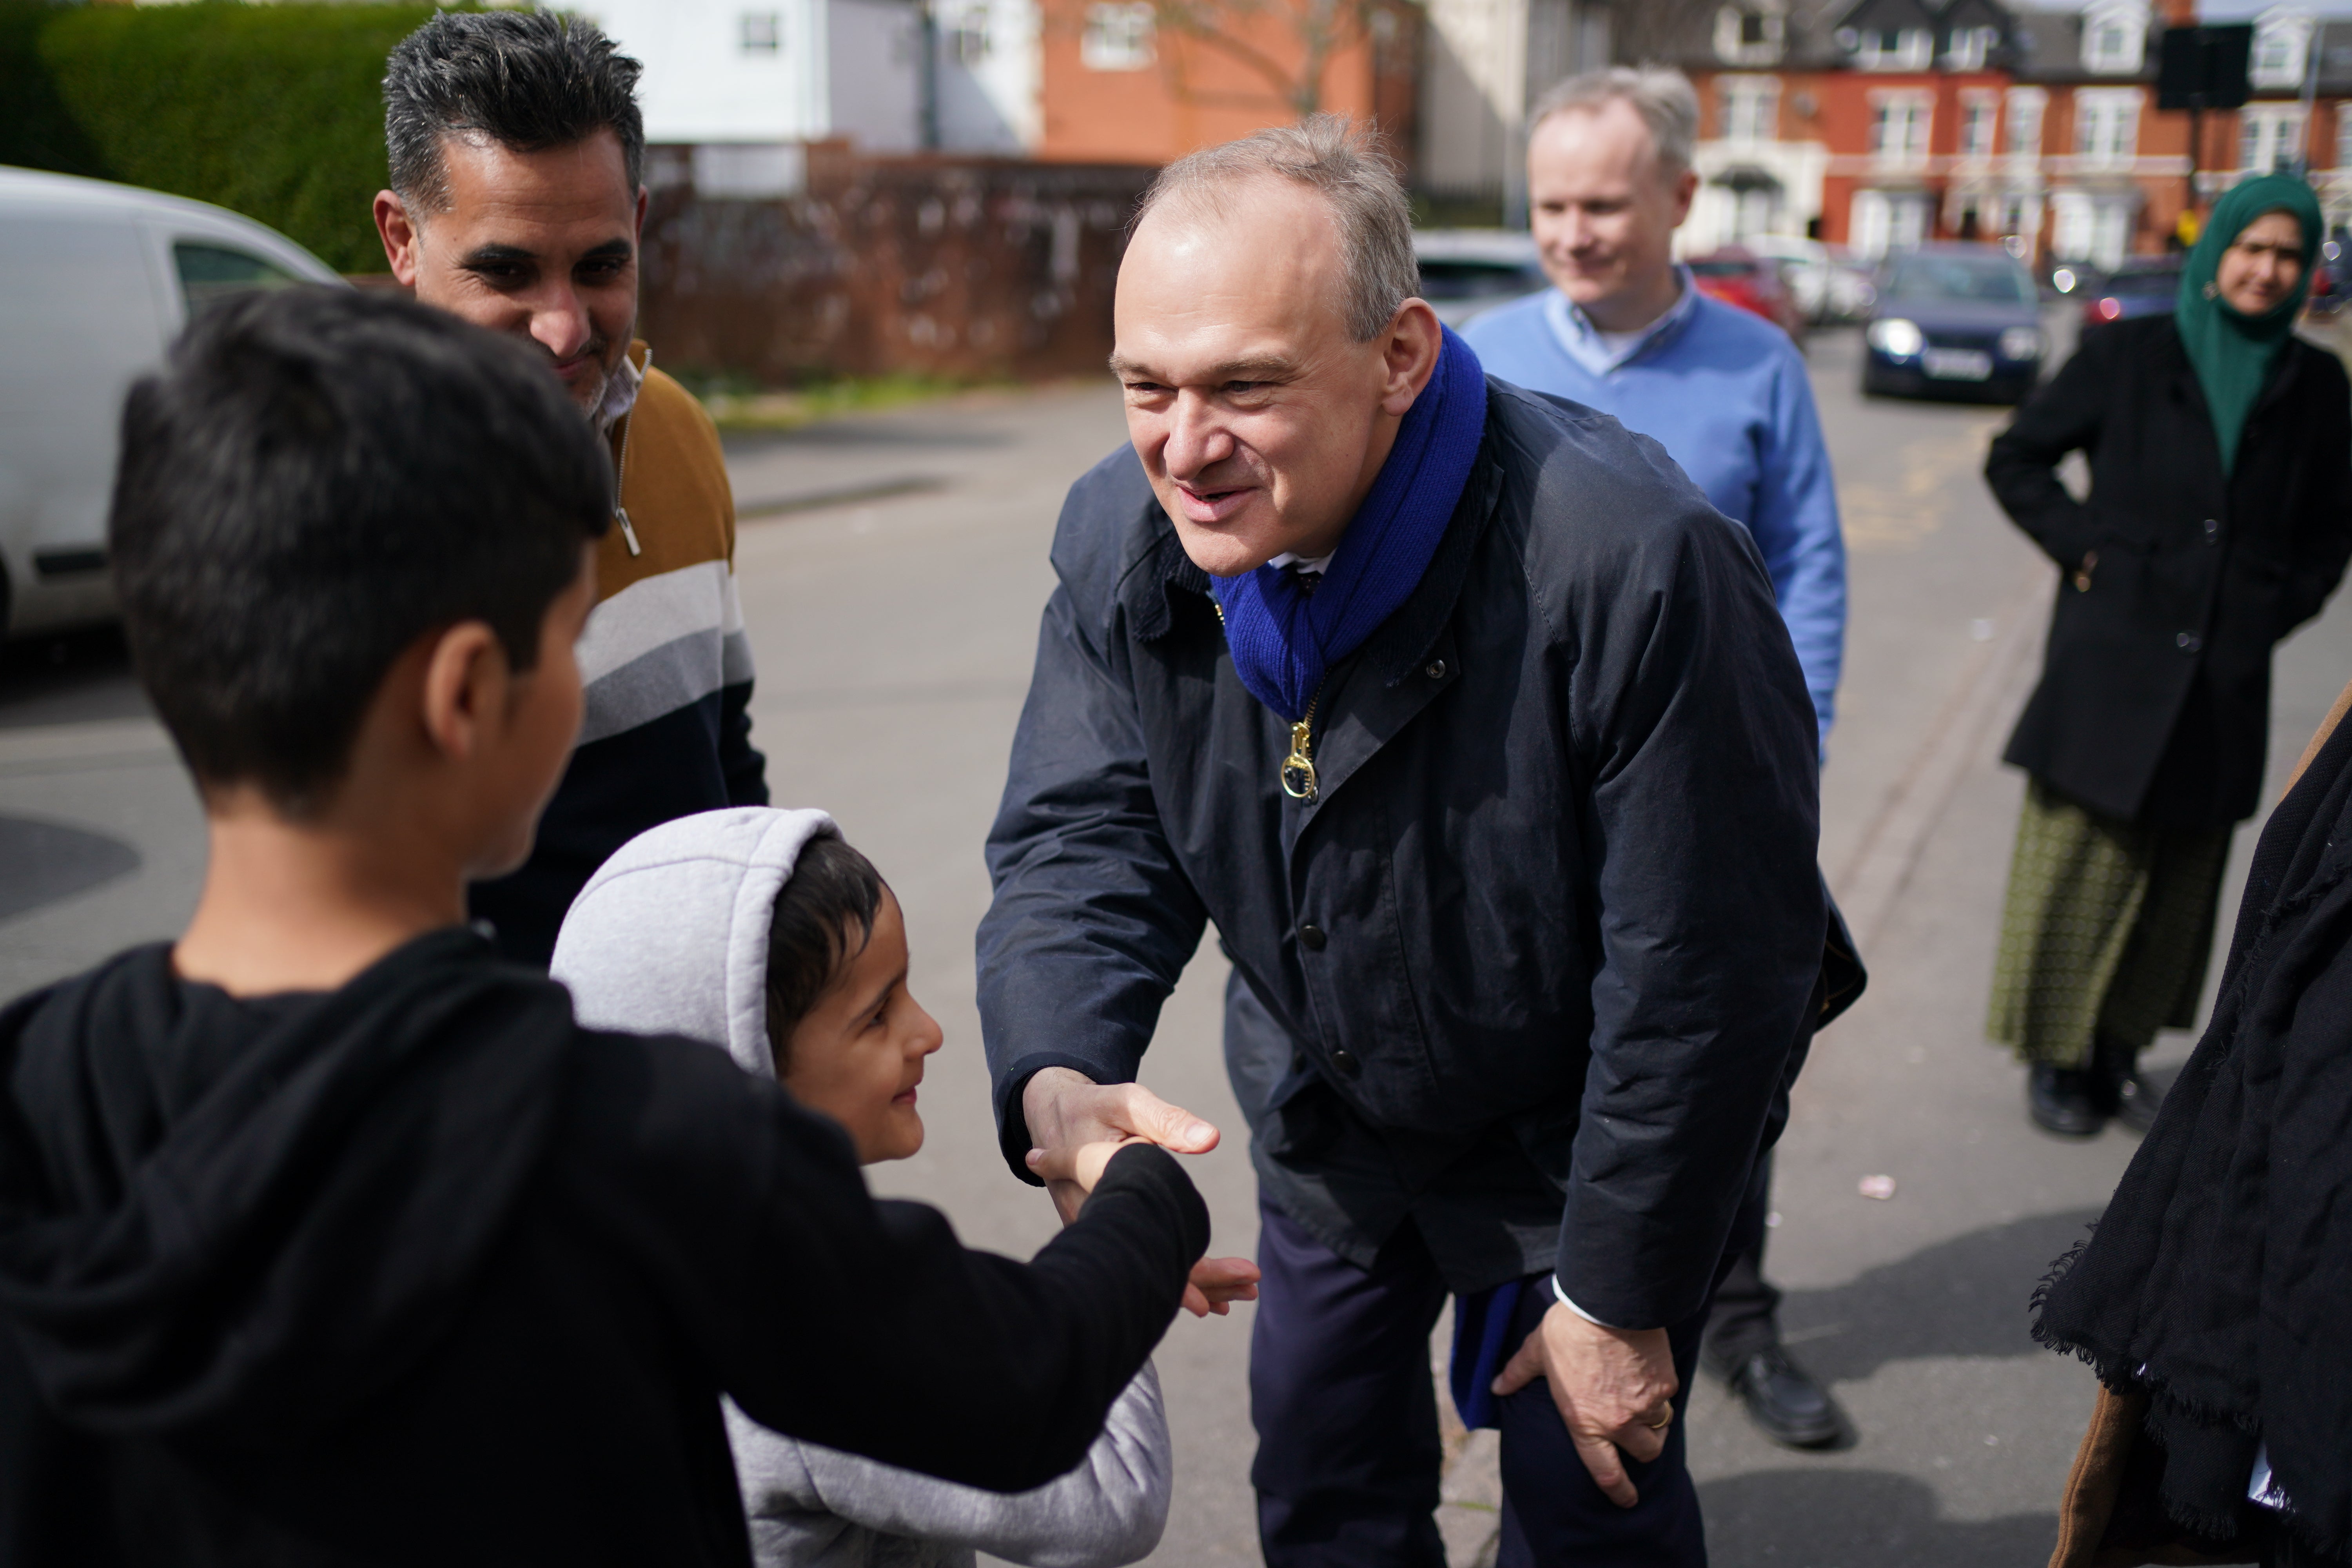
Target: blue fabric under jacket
point(1726, 395)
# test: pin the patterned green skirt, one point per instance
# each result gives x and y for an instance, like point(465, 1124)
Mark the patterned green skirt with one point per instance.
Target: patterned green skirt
point(2106, 931)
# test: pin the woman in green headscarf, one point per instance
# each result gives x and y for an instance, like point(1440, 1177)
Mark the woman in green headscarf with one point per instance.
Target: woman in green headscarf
point(2219, 519)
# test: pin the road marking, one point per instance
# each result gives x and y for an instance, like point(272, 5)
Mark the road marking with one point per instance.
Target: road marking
point(1879, 518)
point(1995, 676)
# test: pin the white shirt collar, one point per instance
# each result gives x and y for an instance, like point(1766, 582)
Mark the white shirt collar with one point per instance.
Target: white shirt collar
point(620, 393)
point(1602, 353)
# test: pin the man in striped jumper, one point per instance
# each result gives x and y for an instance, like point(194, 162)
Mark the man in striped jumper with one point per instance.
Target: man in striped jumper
point(516, 152)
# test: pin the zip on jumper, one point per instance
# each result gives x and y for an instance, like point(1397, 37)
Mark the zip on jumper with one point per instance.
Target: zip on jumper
point(1297, 772)
point(621, 474)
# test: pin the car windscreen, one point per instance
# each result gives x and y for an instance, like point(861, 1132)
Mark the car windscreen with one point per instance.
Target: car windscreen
point(1995, 280)
point(1456, 280)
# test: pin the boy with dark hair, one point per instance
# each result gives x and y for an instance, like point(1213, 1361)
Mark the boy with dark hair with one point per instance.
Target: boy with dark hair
point(325, 1236)
point(516, 200)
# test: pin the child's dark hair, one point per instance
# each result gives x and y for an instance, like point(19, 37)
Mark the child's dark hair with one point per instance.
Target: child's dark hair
point(832, 888)
point(318, 478)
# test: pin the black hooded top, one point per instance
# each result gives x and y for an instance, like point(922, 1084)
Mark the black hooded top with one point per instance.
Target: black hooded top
point(420, 1270)
point(2219, 1282)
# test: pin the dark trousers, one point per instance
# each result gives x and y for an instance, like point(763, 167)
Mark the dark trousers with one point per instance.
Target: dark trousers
point(1746, 1317)
point(1345, 1413)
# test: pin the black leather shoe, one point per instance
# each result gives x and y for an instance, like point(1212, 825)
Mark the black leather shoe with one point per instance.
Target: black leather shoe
point(1784, 1401)
point(2065, 1100)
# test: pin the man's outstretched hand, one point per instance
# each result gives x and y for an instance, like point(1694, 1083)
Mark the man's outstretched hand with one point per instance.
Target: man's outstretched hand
point(1614, 1387)
point(1076, 1124)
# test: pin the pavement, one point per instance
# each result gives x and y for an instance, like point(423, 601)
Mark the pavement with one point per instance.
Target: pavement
point(892, 582)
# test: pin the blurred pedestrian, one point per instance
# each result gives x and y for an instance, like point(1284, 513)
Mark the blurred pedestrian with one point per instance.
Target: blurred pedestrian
point(517, 202)
point(2211, 1296)
point(1625, 331)
point(2219, 519)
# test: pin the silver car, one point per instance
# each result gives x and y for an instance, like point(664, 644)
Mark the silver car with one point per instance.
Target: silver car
point(99, 278)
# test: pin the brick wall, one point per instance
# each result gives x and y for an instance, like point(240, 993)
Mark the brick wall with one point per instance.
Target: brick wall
point(984, 269)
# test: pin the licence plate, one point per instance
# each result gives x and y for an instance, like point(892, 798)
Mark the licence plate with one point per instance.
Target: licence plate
point(1957, 364)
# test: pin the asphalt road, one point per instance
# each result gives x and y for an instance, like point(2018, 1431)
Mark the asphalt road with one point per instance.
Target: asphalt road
point(894, 635)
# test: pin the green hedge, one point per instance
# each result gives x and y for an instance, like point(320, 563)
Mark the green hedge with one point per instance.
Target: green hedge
point(272, 110)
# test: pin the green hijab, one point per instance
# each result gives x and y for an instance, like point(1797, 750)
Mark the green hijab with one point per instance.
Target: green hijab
point(2233, 353)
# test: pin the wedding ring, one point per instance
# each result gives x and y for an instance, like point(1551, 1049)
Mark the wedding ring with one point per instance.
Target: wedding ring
point(1663, 1422)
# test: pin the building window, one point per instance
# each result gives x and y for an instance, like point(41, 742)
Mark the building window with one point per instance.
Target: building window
point(2114, 36)
point(1883, 221)
point(2343, 135)
point(963, 32)
point(1980, 116)
point(1898, 129)
point(1970, 47)
point(1744, 38)
point(2280, 47)
point(2107, 127)
point(2269, 138)
point(1893, 48)
point(2025, 107)
point(762, 32)
point(1748, 108)
point(1118, 38)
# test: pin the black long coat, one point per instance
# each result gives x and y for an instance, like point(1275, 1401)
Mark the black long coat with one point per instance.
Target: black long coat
point(1531, 970)
point(2154, 704)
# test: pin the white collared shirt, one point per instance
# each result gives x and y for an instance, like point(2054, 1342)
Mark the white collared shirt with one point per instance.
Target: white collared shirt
point(1600, 352)
point(620, 395)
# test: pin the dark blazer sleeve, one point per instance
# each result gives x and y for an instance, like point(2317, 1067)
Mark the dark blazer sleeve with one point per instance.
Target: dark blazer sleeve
point(1690, 712)
point(2063, 416)
point(2323, 541)
point(866, 1325)
point(1093, 921)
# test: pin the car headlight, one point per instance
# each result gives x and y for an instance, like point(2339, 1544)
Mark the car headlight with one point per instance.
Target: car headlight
point(1896, 338)
point(2020, 343)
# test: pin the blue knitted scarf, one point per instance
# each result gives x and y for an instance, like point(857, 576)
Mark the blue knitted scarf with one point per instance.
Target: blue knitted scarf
point(1284, 641)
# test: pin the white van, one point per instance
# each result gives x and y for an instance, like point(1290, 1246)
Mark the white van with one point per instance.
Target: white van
point(95, 280)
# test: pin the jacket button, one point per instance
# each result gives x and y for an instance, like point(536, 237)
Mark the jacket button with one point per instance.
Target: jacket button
point(1344, 1061)
point(1434, 669)
point(2189, 642)
point(2212, 530)
point(1311, 938)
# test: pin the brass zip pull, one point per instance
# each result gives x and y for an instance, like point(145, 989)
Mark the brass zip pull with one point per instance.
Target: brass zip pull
point(1298, 768)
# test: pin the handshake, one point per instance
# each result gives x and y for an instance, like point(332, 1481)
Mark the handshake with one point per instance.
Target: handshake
point(1077, 1125)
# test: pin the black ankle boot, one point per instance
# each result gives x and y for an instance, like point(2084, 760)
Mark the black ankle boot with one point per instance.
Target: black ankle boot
point(2130, 1099)
point(2065, 1100)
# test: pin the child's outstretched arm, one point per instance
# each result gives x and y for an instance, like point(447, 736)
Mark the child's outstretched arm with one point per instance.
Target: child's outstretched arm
point(1215, 1284)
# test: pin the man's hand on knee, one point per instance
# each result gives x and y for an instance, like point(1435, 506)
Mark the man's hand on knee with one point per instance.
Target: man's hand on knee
point(1614, 1387)
point(1067, 1112)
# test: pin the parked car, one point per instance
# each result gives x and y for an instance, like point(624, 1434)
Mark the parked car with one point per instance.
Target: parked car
point(99, 278)
point(1954, 320)
point(1466, 271)
point(2142, 286)
point(1740, 277)
point(1828, 285)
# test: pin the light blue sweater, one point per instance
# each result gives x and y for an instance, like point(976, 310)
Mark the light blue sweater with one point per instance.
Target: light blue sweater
point(1725, 394)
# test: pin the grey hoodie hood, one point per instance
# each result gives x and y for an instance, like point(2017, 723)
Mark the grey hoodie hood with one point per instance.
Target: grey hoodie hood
point(670, 935)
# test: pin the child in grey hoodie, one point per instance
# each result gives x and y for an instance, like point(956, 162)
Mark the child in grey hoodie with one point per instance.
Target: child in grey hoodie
point(763, 932)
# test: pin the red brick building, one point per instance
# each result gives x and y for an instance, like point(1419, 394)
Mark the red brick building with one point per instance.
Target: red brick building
point(1892, 122)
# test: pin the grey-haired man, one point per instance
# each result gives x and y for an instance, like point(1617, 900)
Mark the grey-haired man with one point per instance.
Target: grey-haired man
point(1473, 729)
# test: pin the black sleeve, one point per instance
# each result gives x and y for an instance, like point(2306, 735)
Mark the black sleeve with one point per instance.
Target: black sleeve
point(745, 770)
point(1093, 919)
point(864, 1325)
point(2063, 416)
point(2323, 541)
